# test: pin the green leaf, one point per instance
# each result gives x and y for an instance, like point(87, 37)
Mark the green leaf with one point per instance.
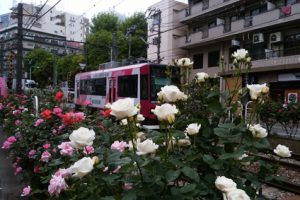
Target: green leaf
point(171, 175)
point(215, 107)
point(108, 198)
point(187, 188)
point(129, 196)
point(56, 162)
point(191, 173)
point(235, 154)
point(208, 159)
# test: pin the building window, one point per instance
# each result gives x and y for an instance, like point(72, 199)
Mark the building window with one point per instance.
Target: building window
point(213, 58)
point(198, 61)
point(212, 24)
point(127, 86)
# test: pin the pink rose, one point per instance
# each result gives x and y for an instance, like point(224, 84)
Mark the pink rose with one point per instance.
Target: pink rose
point(18, 170)
point(6, 145)
point(128, 186)
point(119, 146)
point(117, 170)
point(26, 191)
point(66, 149)
point(38, 122)
point(17, 122)
point(16, 112)
point(57, 185)
point(46, 146)
point(88, 150)
point(11, 139)
point(45, 156)
point(105, 169)
point(31, 153)
point(57, 110)
point(36, 169)
point(63, 173)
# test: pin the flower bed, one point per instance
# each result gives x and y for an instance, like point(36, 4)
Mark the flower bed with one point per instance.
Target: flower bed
point(198, 152)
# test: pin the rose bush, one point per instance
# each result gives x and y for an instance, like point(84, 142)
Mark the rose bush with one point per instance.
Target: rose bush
point(92, 156)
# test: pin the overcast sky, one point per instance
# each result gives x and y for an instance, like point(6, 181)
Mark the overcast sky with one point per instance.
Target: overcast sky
point(92, 7)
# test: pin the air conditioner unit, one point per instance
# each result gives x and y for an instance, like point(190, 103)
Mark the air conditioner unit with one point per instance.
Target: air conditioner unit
point(258, 38)
point(275, 37)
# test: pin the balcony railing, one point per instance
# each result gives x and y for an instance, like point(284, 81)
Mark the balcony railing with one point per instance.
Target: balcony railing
point(273, 54)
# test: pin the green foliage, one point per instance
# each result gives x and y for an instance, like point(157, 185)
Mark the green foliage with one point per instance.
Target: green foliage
point(42, 63)
point(100, 40)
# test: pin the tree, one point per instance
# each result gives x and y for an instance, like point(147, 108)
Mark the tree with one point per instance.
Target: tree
point(41, 63)
point(69, 63)
point(100, 41)
point(137, 25)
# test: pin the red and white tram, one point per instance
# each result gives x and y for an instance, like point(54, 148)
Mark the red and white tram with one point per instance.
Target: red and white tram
point(140, 81)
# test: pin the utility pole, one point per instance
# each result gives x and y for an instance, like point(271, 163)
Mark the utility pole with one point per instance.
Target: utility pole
point(130, 30)
point(115, 47)
point(155, 15)
point(159, 36)
point(19, 66)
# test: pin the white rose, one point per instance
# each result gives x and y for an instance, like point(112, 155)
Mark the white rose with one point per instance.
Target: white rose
point(184, 62)
point(123, 108)
point(282, 151)
point(225, 184)
point(171, 93)
point(242, 157)
point(255, 90)
point(193, 129)
point(184, 142)
point(201, 76)
point(240, 54)
point(165, 112)
point(82, 167)
point(141, 135)
point(148, 146)
point(82, 137)
point(237, 194)
point(136, 142)
point(124, 122)
point(258, 131)
point(107, 106)
point(140, 118)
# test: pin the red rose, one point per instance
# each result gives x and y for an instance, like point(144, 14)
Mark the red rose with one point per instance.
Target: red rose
point(59, 95)
point(106, 113)
point(46, 114)
point(280, 110)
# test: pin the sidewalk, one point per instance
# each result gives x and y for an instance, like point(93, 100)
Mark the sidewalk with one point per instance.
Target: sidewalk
point(9, 183)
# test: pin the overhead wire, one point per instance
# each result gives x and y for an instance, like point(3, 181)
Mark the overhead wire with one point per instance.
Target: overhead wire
point(39, 17)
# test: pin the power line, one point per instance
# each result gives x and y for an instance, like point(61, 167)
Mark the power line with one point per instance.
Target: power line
point(35, 15)
point(44, 13)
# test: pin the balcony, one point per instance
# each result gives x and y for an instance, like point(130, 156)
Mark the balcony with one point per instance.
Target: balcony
point(250, 23)
point(266, 17)
point(201, 9)
point(280, 59)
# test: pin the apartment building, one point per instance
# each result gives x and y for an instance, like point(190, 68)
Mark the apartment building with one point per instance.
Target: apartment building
point(170, 28)
point(49, 32)
point(268, 29)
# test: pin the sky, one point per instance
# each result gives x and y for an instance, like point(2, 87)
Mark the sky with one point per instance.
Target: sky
point(89, 7)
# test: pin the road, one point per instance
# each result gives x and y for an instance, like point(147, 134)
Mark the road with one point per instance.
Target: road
point(9, 183)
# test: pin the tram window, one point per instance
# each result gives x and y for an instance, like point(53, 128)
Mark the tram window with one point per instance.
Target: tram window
point(144, 87)
point(93, 87)
point(99, 86)
point(127, 86)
